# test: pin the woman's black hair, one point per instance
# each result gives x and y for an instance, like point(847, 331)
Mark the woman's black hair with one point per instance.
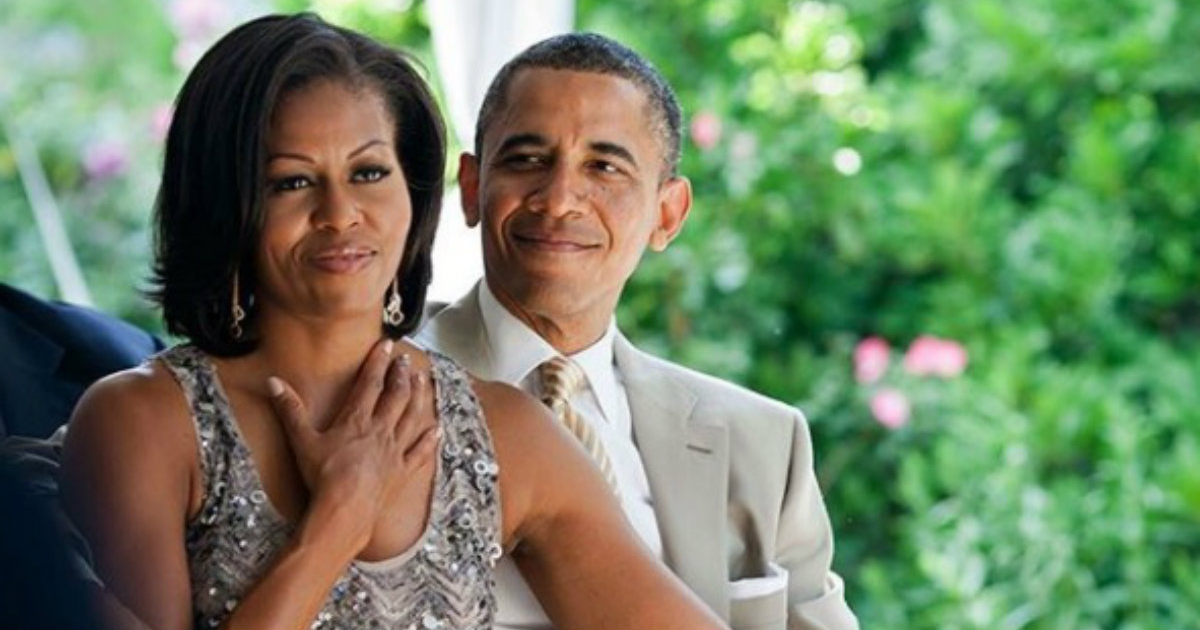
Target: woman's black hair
point(208, 213)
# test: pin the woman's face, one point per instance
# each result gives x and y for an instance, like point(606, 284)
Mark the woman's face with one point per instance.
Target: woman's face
point(336, 204)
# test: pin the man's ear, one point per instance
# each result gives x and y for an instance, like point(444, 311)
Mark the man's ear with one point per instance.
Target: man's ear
point(468, 187)
point(674, 203)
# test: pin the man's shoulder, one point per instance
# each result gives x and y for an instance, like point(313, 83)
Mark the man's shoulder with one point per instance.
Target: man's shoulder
point(431, 310)
point(80, 329)
point(53, 350)
point(445, 325)
point(719, 398)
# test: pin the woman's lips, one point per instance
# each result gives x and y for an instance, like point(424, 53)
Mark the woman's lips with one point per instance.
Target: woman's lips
point(342, 259)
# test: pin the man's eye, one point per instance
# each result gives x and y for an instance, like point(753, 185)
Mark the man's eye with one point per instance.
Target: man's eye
point(605, 166)
point(295, 182)
point(524, 160)
point(371, 174)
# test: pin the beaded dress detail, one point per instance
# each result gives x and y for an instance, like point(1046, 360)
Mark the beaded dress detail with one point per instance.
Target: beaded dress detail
point(443, 581)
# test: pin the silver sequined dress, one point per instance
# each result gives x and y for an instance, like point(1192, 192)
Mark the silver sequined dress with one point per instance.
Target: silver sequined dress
point(443, 581)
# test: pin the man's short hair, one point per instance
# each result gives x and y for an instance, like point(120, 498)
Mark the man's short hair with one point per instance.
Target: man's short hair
point(590, 52)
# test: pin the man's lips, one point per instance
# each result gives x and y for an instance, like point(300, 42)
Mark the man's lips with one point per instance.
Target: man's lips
point(343, 258)
point(552, 242)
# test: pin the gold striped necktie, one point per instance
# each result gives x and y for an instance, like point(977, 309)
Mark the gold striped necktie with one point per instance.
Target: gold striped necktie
point(561, 378)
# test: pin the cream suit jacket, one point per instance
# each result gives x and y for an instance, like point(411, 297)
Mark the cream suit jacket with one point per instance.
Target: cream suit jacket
point(731, 475)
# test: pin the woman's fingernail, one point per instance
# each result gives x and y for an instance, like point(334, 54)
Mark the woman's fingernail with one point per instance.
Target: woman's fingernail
point(388, 346)
point(275, 386)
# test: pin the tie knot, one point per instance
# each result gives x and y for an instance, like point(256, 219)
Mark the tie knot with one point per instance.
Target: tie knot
point(561, 377)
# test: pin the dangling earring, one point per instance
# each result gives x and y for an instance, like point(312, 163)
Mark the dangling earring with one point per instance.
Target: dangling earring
point(392, 315)
point(239, 315)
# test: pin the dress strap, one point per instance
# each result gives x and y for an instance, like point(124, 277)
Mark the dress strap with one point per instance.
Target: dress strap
point(217, 438)
point(467, 448)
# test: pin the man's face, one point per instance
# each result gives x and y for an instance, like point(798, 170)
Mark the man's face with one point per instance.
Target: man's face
point(570, 190)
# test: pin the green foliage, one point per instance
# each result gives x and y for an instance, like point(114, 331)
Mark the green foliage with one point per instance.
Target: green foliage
point(71, 90)
point(1024, 184)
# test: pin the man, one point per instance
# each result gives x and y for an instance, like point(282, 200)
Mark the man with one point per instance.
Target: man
point(573, 176)
point(51, 352)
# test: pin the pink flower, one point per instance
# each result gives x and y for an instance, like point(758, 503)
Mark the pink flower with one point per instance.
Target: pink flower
point(187, 53)
point(706, 130)
point(890, 407)
point(929, 355)
point(160, 121)
point(105, 159)
point(870, 359)
point(197, 19)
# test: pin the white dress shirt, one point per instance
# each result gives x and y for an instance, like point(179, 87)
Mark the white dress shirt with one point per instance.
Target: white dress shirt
point(518, 351)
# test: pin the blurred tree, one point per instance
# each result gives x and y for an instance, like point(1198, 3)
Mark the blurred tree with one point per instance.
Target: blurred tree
point(86, 92)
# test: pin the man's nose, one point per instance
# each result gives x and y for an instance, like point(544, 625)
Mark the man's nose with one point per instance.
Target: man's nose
point(337, 208)
point(562, 191)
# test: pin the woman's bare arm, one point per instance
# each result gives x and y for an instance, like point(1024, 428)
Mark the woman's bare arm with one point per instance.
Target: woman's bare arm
point(126, 483)
point(572, 541)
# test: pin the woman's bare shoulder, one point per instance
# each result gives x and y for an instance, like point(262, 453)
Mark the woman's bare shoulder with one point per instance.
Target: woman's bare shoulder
point(511, 412)
point(130, 439)
point(145, 388)
point(138, 405)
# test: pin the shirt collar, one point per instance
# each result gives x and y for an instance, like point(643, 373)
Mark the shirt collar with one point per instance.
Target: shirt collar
point(517, 351)
point(597, 362)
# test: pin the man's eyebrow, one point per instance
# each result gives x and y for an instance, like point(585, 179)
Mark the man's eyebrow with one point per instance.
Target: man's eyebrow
point(614, 149)
point(521, 139)
point(532, 139)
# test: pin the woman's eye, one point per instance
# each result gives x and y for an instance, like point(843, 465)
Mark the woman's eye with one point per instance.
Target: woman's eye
point(371, 174)
point(285, 184)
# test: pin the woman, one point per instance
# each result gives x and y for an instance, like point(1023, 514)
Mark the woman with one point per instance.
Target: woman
point(298, 462)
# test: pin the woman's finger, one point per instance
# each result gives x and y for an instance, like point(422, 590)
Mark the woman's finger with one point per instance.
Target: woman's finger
point(421, 453)
point(290, 410)
point(397, 391)
point(414, 418)
point(368, 386)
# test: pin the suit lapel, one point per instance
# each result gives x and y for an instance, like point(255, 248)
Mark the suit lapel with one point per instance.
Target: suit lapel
point(686, 463)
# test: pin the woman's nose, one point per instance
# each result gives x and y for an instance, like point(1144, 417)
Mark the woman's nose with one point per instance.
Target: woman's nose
point(337, 209)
